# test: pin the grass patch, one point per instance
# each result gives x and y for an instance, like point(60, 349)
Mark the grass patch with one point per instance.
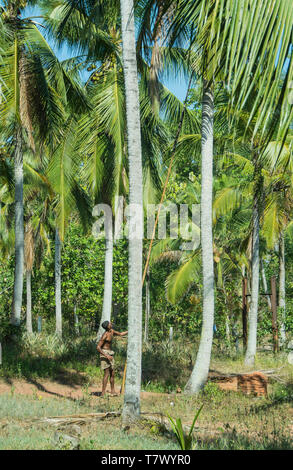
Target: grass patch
point(17, 432)
point(24, 407)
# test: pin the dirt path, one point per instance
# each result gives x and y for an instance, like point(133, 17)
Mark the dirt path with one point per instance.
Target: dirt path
point(56, 389)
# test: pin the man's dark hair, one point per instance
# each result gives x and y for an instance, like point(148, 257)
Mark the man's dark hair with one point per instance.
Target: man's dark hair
point(105, 324)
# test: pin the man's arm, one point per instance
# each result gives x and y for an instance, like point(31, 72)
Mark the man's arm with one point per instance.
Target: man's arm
point(117, 333)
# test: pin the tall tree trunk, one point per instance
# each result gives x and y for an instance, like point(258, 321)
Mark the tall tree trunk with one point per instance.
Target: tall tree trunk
point(131, 407)
point(58, 308)
point(265, 284)
point(227, 329)
point(253, 309)
point(282, 288)
point(244, 310)
point(147, 306)
point(108, 277)
point(227, 318)
point(19, 231)
point(29, 326)
point(76, 320)
point(201, 369)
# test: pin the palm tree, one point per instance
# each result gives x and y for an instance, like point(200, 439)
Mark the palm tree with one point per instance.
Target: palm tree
point(34, 83)
point(131, 408)
point(231, 193)
point(62, 175)
point(271, 201)
point(102, 137)
point(201, 368)
point(19, 75)
point(255, 261)
point(224, 34)
point(102, 131)
point(278, 212)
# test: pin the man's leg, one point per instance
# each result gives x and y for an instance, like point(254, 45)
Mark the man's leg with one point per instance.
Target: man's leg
point(105, 380)
point(112, 373)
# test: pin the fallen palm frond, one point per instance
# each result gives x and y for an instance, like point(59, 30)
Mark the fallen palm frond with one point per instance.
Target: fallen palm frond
point(76, 419)
point(84, 418)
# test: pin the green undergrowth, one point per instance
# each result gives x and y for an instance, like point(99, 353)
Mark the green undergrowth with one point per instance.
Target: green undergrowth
point(165, 367)
point(47, 356)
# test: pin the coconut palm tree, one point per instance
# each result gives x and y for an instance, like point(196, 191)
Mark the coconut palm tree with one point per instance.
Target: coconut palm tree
point(20, 73)
point(271, 190)
point(228, 31)
point(131, 408)
point(33, 84)
point(103, 131)
point(278, 212)
point(232, 193)
point(62, 175)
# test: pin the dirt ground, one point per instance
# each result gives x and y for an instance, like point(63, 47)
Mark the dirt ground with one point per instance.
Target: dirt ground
point(58, 389)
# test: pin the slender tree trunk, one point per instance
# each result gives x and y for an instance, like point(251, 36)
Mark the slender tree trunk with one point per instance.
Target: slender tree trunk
point(227, 319)
point(58, 308)
point(131, 408)
point(108, 277)
point(29, 325)
point(201, 369)
point(19, 231)
point(76, 321)
point(147, 306)
point(253, 310)
point(282, 288)
point(264, 283)
point(274, 315)
point(244, 311)
point(244, 308)
point(227, 328)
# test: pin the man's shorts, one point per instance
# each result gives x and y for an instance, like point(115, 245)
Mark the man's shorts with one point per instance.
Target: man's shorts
point(105, 363)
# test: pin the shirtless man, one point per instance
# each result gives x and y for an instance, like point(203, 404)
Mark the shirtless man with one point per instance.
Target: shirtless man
point(106, 355)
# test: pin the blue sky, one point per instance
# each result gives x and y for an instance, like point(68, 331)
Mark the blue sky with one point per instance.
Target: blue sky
point(177, 85)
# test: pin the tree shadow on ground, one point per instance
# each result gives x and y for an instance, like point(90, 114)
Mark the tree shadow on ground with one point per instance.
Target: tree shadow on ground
point(95, 394)
point(43, 389)
point(239, 441)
